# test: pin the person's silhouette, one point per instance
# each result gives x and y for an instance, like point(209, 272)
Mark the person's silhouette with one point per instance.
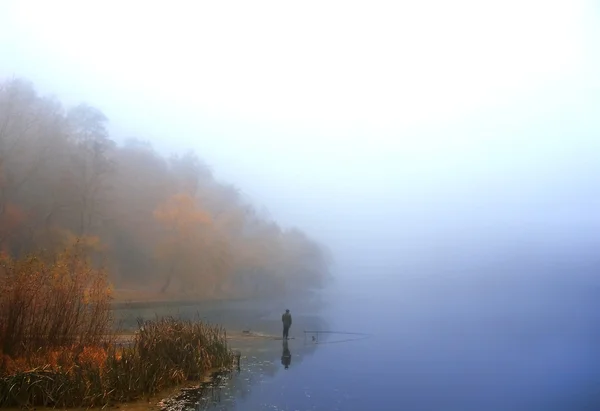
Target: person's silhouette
point(286, 319)
point(286, 356)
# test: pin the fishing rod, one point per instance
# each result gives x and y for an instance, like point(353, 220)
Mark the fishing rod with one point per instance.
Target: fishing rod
point(315, 337)
point(332, 332)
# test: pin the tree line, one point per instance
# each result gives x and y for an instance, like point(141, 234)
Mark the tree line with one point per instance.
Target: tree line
point(159, 223)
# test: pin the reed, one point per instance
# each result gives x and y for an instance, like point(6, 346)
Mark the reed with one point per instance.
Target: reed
point(163, 353)
point(52, 301)
point(57, 347)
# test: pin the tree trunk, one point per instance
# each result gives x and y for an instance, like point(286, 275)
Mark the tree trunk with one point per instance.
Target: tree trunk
point(167, 282)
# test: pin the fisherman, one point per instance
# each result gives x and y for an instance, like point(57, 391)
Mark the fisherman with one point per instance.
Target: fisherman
point(286, 319)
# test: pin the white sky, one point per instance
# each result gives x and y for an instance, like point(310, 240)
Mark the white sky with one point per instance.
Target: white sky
point(330, 112)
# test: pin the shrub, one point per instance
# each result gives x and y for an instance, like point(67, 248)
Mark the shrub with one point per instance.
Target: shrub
point(56, 347)
point(163, 353)
point(52, 302)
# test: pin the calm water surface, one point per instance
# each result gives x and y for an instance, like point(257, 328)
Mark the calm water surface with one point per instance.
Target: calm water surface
point(438, 342)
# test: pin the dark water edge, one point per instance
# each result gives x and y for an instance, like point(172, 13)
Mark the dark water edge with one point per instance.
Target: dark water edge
point(254, 331)
point(261, 362)
point(234, 315)
point(204, 395)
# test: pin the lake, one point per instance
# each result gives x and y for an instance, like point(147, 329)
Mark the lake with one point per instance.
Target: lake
point(507, 340)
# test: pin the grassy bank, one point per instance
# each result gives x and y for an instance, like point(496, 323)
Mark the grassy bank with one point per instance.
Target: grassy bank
point(57, 346)
point(164, 352)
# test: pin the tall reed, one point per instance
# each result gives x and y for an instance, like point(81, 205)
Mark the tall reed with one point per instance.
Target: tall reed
point(163, 353)
point(52, 302)
point(57, 347)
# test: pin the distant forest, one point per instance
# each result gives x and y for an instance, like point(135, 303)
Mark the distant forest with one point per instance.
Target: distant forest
point(159, 224)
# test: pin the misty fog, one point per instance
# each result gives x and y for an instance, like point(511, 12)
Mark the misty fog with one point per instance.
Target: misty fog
point(503, 138)
point(440, 160)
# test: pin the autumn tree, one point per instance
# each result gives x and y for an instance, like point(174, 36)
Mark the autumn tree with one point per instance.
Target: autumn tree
point(142, 183)
point(91, 165)
point(30, 134)
point(190, 174)
point(189, 247)
point(64, 180)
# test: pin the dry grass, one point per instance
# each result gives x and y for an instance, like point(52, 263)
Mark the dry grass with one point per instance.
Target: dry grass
point(52, 302)
point(56, 346)
point(165, 352)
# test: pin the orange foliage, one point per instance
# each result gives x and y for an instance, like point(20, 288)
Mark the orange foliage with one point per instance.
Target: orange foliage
point(190, 245)
point(60, 173)
point(57, 359)
point(183, 223)
point(181, 211)
point(95, 356)
point(45, 304)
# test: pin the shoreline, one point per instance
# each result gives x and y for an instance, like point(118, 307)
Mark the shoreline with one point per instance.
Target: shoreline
point(262, 315)
point(154, 402)
point(175, 398)
point(251, 326)
point(166, 353)
point(127, 337)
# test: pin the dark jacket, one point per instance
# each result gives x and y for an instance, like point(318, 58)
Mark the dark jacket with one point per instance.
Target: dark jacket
point(286, 318)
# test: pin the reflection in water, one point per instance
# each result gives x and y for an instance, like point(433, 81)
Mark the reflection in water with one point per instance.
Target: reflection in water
point(286, 356)
point(260, 358)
